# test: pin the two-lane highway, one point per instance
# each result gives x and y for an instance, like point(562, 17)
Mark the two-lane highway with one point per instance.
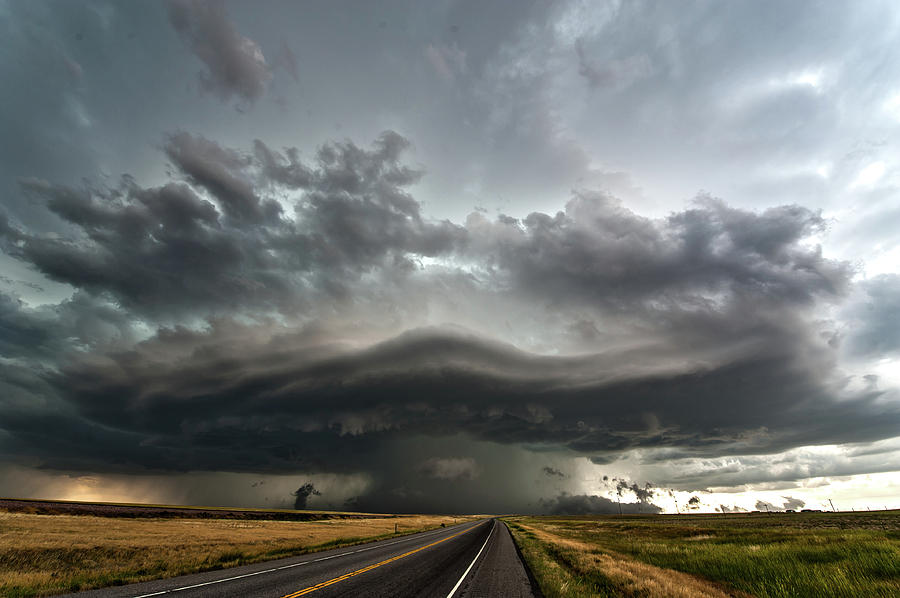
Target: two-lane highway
point(467, 560)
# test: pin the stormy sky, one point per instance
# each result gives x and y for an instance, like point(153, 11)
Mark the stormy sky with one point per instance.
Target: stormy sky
point(451, 256)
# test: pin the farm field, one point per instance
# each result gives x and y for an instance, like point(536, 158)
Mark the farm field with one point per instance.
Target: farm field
point(764, 555)
point(43, 554)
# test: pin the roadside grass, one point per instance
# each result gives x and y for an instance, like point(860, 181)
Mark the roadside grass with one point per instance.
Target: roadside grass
point(770, 556)
point(42, 555)
point(557, 569)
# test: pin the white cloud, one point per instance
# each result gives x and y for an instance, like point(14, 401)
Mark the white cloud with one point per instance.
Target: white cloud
point(892, 106)
point(869, 175)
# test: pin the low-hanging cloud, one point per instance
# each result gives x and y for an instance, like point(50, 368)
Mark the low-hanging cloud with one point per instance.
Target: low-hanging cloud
point(587, 504)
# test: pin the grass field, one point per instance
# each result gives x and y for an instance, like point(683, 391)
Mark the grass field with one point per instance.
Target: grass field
point(46, 554)
point(811, 555)
point(139, 510)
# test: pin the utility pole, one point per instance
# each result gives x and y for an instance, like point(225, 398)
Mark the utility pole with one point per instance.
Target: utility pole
point(833, 510)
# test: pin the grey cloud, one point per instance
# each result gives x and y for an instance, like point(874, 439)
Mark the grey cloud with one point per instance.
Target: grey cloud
point(288, 171)
point(23, 330)
point(792, 503)
point(710, 248)
point(154, 250)
point(449, 61)
point(764, 505)
point(44, 334)
point(170, 250)
point(287, 60)
point(875, 318)
point(235, 64)
point(604, 459)
point(586, 504)
point(614, 74)
point(553, 472)
point(220, 172)
point(450, 468)
point(184, 393)
point(747, 471)
point(698, 334)
point(732, 509)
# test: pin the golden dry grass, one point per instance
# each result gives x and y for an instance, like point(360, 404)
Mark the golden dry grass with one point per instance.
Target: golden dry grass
point(46, 554)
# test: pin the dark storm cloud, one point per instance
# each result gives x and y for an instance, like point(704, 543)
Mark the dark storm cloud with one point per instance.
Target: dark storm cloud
point(586, 504)
point(711, 248)
point(214, 243)
point(220, 172)
point(235, 64)
point(157, 251)
point(21, 331)
point(696, 325)
point(230, 402)
point(46, 333)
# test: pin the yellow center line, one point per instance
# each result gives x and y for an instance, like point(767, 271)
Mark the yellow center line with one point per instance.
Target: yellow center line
point(324, 584)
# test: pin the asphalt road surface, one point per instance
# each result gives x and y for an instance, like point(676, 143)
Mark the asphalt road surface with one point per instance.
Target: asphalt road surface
point(467, 560)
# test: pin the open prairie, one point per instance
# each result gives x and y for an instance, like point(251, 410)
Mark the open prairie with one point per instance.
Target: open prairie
point(44, 554)
point(138, 511)
point(778, 555)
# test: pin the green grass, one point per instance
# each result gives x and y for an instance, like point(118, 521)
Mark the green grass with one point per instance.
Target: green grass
point(800, 555)
point(557, 569)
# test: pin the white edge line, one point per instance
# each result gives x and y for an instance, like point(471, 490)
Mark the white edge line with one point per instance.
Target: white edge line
point(209, 583)
point(466, 572)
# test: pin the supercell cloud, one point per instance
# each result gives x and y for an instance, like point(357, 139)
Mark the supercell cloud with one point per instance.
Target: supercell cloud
point(351, 319)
